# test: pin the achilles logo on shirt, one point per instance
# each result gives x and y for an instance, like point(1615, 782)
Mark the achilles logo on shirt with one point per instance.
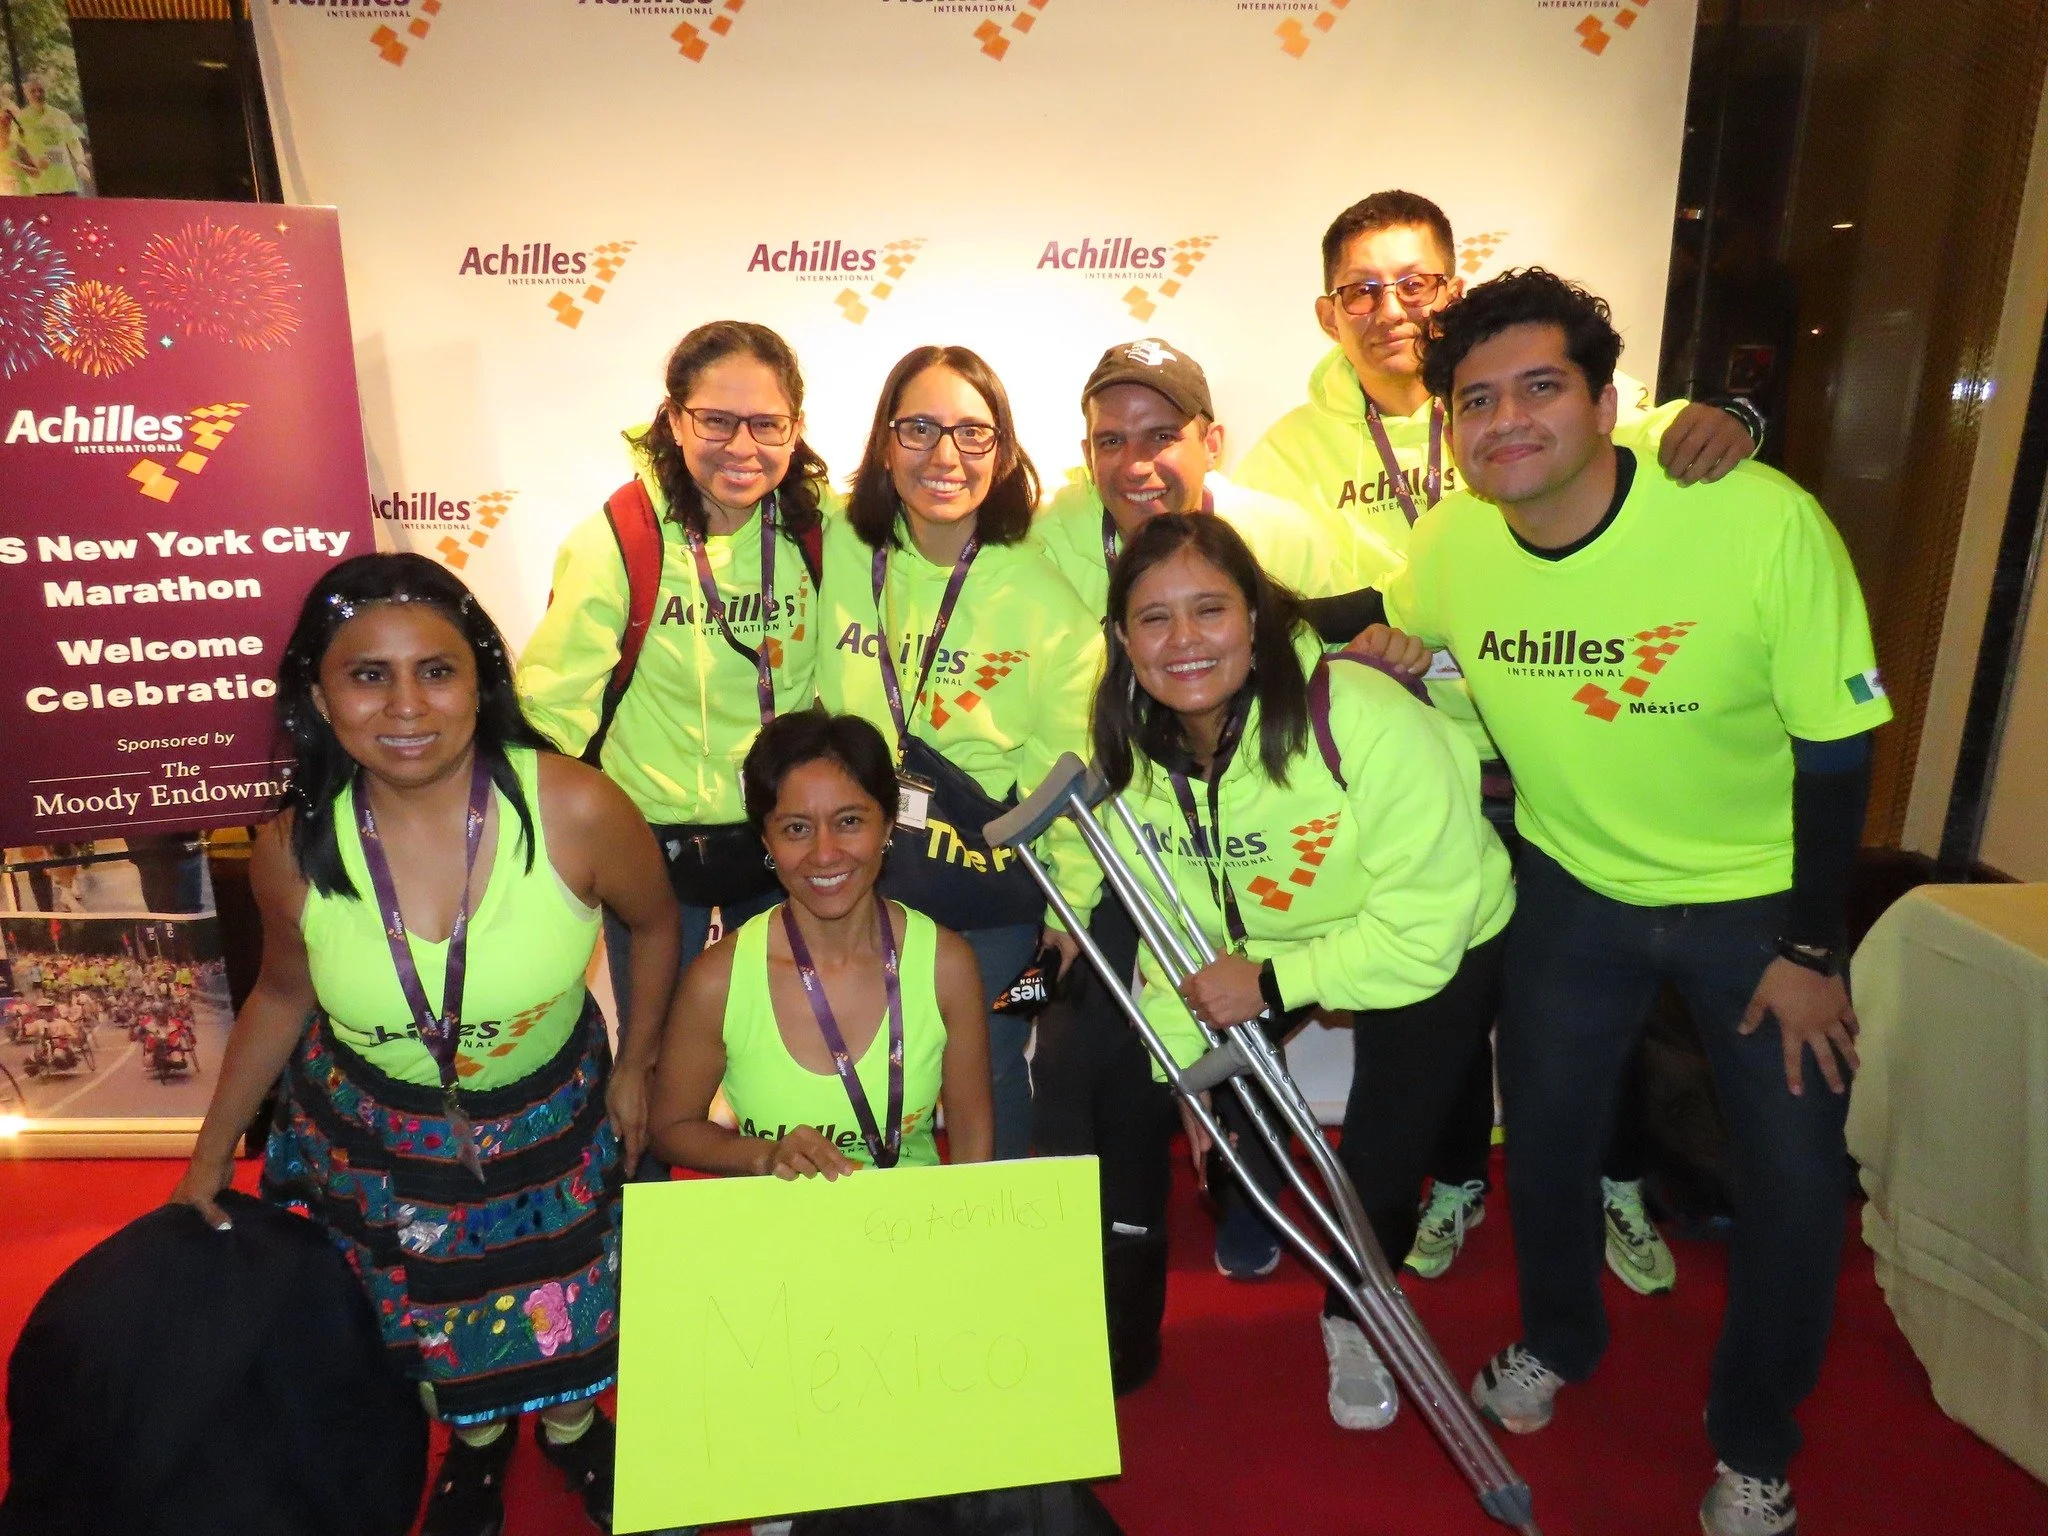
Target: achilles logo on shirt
point(1311, 846)
point(1379, 491)
point(1627, 666)
point(1652, 650)
point(1249, 849)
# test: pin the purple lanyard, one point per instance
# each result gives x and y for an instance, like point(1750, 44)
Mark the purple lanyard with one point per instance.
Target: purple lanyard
point(1109, 528)
point(884, 1149)
point(714, 604)
point(892, 690)
point(1433, 482)
point(1209, 846)
point(441, 1036)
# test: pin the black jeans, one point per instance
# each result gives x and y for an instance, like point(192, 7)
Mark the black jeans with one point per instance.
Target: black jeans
point(1408, 1067)
point(1581, 972)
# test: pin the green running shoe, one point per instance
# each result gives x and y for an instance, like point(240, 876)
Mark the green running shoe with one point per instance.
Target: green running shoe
point(1451, 1211)
point(1635, 1251)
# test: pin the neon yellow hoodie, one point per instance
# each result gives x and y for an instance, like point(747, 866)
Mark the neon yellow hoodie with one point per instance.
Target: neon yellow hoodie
point(1293, 545)
point(693, 709)
point(1321, 454)
point(1011, 686)
point(1362, 897)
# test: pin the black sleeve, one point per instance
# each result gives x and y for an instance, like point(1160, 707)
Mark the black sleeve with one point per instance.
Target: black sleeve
point(1339, 619)
point(1830, 792)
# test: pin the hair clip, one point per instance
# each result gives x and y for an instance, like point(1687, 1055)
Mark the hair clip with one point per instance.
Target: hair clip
point(341, 605)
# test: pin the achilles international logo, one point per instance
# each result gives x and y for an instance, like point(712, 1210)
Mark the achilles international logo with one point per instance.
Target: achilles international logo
point(570, 306)
point(1143, 300)
point(209, 426)
point(1311, 846)
point(1295, 38)
point(1653, 648)
point(693, 43)
point(427, 509)
point(580, 278)
point(487, 512)
point(1599, 23)
point(996, 39)
point(898, 256)
point(1475, 251)
point(401, 24)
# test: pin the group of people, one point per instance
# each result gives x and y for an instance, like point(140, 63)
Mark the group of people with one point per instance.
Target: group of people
point(42, 148)
point(796, 708)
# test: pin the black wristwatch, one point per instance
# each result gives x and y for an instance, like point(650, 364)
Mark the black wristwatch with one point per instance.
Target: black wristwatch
point(1745, 411)
point(1818, 958)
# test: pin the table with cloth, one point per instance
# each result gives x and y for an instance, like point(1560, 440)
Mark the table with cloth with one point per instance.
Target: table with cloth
point(1949, 1121)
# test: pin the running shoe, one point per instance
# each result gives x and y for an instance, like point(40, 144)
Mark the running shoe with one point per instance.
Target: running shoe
point(1362, 1394)
point(1246, 1248)
point(1516, 1390)
point(1451, 1211)
point(1635, 1250)
point(1738, 1505)
point(586, 1462)
point(469, 1490)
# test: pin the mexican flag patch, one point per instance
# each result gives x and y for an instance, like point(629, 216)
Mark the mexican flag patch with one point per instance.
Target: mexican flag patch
point(1865, 686)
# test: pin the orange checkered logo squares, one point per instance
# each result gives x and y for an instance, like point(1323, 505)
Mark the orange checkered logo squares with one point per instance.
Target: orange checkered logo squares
point(392, 48)
point(490, 509)
point(1593, 34)
point(1270, 893)
point(693, 44)
point(1295, 38)
point(211, 425)
point(897, 258)
point(995, 42)
point(1187, 255)
point(1598, 701)
point(607, 259)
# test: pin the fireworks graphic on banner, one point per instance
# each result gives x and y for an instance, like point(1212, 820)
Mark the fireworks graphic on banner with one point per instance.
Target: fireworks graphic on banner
point(221, 281)
point(96, 327)
point(32, 271)
point(90, 237)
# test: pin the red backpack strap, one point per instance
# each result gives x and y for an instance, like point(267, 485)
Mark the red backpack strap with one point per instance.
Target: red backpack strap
point(1319, 703)
point(812, 542)
point(637, 529)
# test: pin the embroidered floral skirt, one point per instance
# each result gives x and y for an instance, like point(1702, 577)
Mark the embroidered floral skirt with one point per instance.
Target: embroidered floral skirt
point(501, 1297)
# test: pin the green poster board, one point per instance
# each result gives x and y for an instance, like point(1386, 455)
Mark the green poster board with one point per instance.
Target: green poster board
point(790, 1346)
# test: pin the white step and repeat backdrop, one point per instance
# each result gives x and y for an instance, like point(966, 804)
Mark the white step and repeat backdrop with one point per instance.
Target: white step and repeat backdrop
point(538, 197)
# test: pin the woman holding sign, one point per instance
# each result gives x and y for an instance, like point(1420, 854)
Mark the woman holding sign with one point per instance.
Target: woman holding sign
point(972, 654)
point(430, 900)
point(1324, 829)
point(697, 585)
point(839, 1021)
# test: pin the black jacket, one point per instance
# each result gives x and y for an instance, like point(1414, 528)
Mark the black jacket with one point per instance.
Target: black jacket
point(183, 1381)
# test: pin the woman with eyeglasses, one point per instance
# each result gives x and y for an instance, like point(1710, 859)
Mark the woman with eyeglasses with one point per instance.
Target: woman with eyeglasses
point(1324, 829)
point(718, 539)
point(971, 653)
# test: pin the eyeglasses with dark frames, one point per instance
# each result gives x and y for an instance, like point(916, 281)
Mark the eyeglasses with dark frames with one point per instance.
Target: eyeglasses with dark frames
point(1413, 289)
point(920, 434)
point(724, 426)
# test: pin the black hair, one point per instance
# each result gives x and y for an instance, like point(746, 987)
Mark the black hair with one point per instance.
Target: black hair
point(1525, 296)
point(789, 741)
point(321, 767)
point(1386, 210)
point(798, 495)
point(1004, 516)
point(1128, 717)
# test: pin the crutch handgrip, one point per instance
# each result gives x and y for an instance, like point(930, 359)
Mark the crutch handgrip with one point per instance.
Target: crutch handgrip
point(1214, 1068)
point(1027, 820)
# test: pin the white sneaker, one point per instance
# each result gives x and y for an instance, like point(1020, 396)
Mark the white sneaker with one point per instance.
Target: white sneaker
point(1516, 1390)
point(1739, 1505)
point(1362, 1394)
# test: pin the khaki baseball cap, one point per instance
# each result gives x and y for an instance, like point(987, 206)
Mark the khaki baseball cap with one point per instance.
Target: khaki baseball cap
point(1158, 366)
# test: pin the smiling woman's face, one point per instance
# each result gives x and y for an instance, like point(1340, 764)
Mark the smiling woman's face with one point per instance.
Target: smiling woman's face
point(398, 685)
point(942, 484)
point(826, 837)
point(1188, 630)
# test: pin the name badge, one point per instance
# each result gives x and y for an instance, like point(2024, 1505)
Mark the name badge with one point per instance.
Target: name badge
point(1443, 667)
point(913, 801)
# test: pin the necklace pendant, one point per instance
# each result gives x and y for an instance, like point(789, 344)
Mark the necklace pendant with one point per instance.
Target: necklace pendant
point(462, 1133)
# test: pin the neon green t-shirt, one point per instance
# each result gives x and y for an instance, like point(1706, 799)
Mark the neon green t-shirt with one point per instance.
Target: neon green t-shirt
point(1292, 545)
point(1012, 684)
point(769, 1090)
point(1646, 687)
point(693, 708)
point(530, 941)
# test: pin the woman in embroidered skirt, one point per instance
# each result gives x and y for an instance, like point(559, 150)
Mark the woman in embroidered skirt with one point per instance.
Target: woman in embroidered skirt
point(431, 898)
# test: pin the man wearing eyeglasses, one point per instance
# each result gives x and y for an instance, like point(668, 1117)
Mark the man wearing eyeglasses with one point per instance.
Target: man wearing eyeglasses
point(1368, 444)
point(1369, 447)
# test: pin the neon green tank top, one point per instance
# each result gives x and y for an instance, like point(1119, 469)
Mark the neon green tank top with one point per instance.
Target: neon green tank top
point(770, 1091)
point(530, 942)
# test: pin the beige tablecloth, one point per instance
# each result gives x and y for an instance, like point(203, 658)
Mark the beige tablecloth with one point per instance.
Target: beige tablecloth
point(1949, 1120)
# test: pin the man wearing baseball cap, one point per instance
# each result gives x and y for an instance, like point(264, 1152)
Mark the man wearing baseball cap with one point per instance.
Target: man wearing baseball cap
point(1152, 445)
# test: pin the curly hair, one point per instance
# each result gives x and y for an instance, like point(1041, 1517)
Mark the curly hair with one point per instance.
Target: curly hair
point(1525, 296)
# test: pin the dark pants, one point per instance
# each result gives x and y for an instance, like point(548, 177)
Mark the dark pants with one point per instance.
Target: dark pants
point(1581, 972)
point(1001, 955)
point(1408, 1067)
point(1093, 1092)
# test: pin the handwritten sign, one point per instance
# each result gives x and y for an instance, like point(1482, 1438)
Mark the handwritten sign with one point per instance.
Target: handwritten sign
point(898, 1334)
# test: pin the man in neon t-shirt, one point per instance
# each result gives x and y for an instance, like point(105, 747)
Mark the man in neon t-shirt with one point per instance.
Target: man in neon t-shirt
point(1684, 687)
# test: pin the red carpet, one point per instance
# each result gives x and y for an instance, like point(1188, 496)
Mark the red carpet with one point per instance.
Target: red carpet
point(1233, 1437)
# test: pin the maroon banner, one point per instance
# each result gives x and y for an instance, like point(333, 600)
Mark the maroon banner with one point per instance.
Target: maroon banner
point(181, 457)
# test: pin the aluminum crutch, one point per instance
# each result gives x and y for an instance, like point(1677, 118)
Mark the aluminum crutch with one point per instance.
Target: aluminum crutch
point(1242, 1056)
